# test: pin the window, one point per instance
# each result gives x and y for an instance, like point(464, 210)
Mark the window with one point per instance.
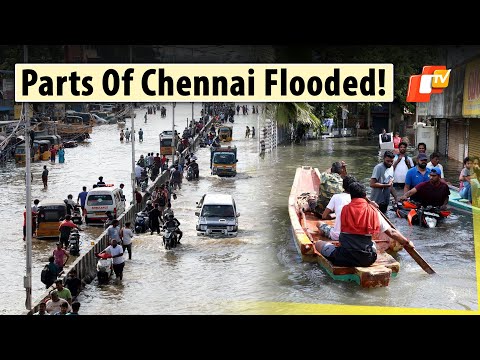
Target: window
point(100, 200)
point(166, 143)
point(218, 211)
point(224, 158)
point(51, 215)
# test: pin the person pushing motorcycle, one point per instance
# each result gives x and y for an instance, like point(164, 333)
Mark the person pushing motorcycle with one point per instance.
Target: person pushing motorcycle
point(434, 192)
point(173, 223)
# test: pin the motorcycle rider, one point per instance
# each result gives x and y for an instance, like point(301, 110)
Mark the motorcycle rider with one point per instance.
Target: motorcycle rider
point(173, 223)
point(167, 212)
point(433, 192)
point(148, 207)
point(70, 204)
point(65, 229)
point(116, 252)
point(194, 166)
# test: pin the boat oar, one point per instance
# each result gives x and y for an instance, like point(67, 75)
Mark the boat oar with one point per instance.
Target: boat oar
point(413, 253)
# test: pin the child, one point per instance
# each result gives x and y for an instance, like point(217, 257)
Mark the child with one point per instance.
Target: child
point(465, 186)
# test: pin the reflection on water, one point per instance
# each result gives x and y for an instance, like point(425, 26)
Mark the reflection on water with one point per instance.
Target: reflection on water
point(218, 276)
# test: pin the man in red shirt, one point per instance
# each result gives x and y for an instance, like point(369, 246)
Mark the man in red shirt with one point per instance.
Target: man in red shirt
point(434, 192)
point(157, 161)
point(53, 153)
point(65, 229)
point(359, 221)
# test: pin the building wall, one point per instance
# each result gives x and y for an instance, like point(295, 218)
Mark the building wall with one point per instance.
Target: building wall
point(474, 138)
point(457, 143)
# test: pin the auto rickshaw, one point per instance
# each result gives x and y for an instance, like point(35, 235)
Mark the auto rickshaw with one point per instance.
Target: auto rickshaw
point(225, 133)
point(20, 152)
point(50, 215)
point(44, 148)
point(55, 140)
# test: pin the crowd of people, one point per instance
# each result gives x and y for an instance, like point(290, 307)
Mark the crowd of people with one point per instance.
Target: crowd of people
point(357, 217)
point(120, 239)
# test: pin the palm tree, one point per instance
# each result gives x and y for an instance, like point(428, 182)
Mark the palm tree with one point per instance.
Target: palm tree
point(294, 117)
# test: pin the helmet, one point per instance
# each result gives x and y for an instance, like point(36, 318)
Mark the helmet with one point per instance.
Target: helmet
point(149, 202)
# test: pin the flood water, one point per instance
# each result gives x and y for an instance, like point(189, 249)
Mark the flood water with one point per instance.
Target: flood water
point(237, 275)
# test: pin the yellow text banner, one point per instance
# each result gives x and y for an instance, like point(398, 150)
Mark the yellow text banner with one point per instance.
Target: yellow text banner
point(204, 82)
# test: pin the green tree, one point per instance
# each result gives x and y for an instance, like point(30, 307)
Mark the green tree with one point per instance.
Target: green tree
point(298, 117)
point(11, 55)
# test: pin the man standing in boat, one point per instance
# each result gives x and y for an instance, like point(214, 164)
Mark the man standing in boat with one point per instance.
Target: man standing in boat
point(359, 221)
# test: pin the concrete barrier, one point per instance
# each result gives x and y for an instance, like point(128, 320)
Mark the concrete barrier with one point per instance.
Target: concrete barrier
point(86, 264)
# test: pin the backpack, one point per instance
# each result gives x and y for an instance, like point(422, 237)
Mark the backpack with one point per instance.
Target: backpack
point(46, 275)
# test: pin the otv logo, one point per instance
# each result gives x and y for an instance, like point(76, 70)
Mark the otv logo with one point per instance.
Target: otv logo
point(432, 81)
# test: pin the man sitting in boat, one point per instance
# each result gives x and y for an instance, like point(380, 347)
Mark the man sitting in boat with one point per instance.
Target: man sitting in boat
point(331, 182)
point(359, 221)
point(434, 192)
point(334, 210)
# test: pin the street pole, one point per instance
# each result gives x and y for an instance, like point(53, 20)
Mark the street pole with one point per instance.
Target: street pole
point(132, 116)
point(173, 133)
point(28, 180)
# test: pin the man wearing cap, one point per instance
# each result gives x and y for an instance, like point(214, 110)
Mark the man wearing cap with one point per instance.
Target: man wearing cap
point(434, 192)
point(417, 174)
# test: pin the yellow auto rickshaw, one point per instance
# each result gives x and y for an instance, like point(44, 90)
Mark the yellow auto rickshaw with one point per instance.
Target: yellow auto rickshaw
point(44, 148)
point(50, 215)
point(225, 133)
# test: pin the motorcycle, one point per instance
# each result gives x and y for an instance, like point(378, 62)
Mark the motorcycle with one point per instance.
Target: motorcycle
point(141, 222)
point(190, 173)
point(74, 242)
point(77, 215)
point(104, 268)
point(144, 181)
point(170, 238)
point(427, 216)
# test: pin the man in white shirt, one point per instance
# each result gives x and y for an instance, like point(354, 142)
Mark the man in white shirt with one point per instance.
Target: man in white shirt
point(127, 235)
point(116, 252)
point(54, 304)
point(435, 162)
point(401, 164)
point(138, 173)
point(334, 210)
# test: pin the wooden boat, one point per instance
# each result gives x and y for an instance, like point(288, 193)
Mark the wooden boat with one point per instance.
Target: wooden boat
point(306, 233)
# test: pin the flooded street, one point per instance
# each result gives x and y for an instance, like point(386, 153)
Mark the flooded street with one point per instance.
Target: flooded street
point(235, 275)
